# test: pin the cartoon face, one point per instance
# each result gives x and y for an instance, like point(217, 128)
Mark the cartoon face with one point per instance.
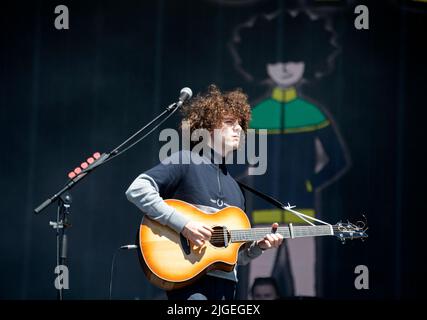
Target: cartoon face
point(286, 74)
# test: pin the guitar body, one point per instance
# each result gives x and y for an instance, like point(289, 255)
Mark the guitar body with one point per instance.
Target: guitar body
point(170, 262)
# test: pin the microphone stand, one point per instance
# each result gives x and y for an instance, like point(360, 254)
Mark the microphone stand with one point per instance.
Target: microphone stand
point(64, 200)
point(62, 222)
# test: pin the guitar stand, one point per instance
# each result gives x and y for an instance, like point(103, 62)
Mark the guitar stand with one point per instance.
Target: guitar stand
point(61, 225)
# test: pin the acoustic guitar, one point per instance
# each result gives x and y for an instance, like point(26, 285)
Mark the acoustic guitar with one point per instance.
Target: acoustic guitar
point(170, 261)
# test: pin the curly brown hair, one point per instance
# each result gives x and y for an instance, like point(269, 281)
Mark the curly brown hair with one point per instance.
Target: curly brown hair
point(207, 111)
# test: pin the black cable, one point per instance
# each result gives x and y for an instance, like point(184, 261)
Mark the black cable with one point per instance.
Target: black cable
point(112, 271)
point(117, 152)
point(173, 105)
point(126, 247)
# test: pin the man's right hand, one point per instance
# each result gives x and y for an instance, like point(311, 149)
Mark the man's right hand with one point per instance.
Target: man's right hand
point(197, 232)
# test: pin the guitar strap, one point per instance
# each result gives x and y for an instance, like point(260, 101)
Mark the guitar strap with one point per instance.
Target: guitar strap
point(280, 205)
point(262, 195)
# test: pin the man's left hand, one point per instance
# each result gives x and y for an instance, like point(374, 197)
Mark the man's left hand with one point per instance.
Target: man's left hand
point(272, 240)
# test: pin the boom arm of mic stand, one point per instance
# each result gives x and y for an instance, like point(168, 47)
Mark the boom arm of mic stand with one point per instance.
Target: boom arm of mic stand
point(72, 182)
point(104, 157)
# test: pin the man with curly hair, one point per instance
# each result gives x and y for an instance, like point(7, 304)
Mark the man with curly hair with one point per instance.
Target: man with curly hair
point(202, 180)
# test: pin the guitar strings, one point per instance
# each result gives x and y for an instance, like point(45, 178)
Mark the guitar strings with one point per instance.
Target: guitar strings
point(251, 232)
point(219, 235)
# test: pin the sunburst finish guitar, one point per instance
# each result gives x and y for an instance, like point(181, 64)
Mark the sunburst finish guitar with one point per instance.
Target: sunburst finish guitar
point(170, 261)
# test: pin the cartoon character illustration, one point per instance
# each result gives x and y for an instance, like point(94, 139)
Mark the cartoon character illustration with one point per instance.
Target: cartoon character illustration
point(305, 151)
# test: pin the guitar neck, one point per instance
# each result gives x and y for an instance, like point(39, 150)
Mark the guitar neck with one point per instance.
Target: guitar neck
point(290, 231)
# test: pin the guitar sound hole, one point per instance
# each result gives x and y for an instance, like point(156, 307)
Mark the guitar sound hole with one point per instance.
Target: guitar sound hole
point(218, 239)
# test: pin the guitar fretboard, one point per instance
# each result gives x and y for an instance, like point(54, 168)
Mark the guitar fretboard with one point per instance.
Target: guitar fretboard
point(287, 232)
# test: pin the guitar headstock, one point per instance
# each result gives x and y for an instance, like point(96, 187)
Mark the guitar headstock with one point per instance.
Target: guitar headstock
point(349, 231)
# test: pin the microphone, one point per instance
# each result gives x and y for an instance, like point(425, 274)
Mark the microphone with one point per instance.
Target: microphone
point(129, 247)
point(185, 94)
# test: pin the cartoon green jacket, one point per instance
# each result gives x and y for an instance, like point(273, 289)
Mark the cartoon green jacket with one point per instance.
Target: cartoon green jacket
point(304, 152)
